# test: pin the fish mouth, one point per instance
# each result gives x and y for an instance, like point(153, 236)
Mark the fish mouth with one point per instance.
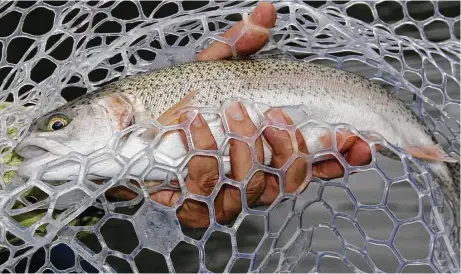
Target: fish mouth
point(31, 148)
point(38, 152)
point(31, 151)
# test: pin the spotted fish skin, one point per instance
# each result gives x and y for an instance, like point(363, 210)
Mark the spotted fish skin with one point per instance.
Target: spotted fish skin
point(328, 94)
point(270, 81)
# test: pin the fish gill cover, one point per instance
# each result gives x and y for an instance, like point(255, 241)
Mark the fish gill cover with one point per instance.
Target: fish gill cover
point(393, 219)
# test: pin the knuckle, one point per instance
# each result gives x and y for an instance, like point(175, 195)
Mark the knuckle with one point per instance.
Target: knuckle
point(194, 215)
point(256, 185)
point(208, 180)
point(229, 210)
point(223, 218)
point(203, 167)
point(282, 143)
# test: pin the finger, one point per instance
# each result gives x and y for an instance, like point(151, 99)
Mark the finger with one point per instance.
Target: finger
point(345, 140)
point(282, 149)
point(240, 153)
point(328, 169)
point(263, 16)
point(121, 192)
point(280, 140)
point(357, 151)
point(194, 214)
point(203, 170)
point(166, 197)
point(359, 154)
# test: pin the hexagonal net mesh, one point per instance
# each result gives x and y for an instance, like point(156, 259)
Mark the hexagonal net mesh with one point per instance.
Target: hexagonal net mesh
point(386, 216)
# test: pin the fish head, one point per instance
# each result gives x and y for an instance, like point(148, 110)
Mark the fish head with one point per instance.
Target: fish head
point(84, 125)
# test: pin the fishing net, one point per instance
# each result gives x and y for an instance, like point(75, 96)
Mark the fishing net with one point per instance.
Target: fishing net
point(386, 216)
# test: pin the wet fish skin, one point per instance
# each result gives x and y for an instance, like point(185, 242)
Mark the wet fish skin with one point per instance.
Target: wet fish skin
point(329, 95)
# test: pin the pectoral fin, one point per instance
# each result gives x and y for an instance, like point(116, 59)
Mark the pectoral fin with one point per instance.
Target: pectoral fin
point(430, 152)
point(170, 116)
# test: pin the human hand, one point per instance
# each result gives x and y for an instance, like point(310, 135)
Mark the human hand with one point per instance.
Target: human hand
point(261, 189)
point(356, 151)
point(260, 21)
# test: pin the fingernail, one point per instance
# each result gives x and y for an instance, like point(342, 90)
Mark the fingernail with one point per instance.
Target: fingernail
point(235, 111)
point(276, 115)
point(197, 121)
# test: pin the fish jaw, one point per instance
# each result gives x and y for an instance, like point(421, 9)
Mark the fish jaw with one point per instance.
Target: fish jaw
point(35, 146)
point(38, 151)
point(92, 124)
point(32, 165)
point(61, 172)
point(58, 168)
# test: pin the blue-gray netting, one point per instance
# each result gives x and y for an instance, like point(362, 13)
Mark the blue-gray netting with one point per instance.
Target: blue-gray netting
point(386, 217)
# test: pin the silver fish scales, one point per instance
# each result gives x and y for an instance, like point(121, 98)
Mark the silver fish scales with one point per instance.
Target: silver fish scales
point(328, 95)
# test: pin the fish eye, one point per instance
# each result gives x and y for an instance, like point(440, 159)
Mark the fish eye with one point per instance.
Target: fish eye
point(57, 122)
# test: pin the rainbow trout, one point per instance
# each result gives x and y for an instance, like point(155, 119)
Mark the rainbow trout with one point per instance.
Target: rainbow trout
point(87, 123)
